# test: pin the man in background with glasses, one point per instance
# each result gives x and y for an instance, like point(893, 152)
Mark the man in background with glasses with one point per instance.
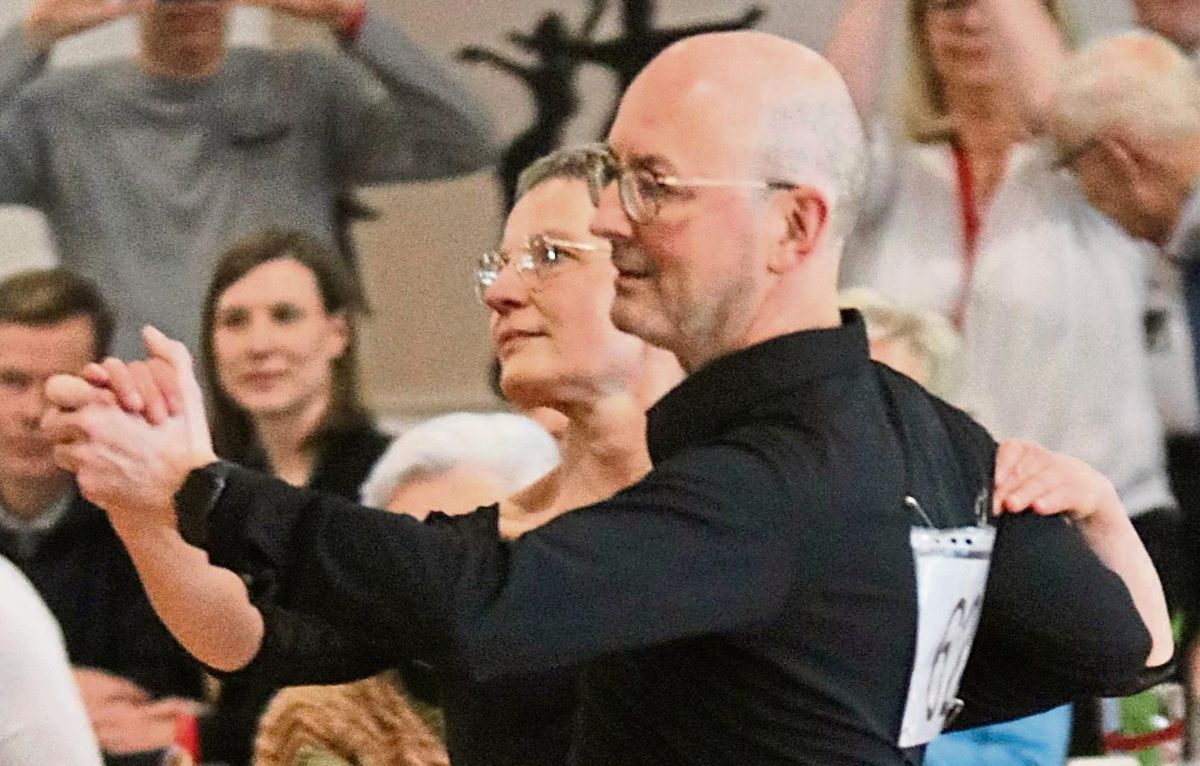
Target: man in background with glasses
point(752, 600)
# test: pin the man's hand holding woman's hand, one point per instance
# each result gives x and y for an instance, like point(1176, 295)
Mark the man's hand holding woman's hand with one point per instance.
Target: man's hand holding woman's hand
point(131, 432)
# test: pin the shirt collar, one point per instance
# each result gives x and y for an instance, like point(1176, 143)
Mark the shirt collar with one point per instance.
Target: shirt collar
point(710, 400)
point(44, 522)
point(1180, 245)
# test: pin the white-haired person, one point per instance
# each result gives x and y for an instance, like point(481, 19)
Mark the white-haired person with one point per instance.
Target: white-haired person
point(1125, 114)
point(917, 342)
point(455, 463)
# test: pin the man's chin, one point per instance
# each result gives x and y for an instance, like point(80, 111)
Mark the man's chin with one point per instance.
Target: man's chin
point(635, 318)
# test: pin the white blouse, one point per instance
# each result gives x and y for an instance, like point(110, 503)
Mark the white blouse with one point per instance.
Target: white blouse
point(1053, 340)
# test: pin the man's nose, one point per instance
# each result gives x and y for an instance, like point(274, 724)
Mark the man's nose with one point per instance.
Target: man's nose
point(609, 219)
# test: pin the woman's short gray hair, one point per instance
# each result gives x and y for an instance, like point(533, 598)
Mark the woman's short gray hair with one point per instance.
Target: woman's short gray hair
point(569, 162)
point(513, 447)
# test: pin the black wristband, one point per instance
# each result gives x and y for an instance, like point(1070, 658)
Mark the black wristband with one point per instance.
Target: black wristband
point(196, 498)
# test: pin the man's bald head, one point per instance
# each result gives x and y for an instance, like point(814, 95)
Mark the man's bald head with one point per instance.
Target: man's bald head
point(774, 107)
point(751, 153)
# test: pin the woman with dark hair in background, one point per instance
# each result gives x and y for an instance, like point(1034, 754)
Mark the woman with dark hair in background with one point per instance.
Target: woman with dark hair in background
point(279, 354)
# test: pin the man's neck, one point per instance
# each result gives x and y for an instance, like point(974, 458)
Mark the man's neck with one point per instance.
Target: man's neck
point(27, 500)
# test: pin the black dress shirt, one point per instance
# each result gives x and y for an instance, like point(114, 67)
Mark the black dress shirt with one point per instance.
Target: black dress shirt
point(752, 600)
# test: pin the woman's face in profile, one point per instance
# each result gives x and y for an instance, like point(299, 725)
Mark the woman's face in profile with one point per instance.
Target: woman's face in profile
point(552, 331)
point(273, 342)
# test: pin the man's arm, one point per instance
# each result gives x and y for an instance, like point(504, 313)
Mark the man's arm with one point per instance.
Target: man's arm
point(673, 551)
point(1072, 608)
point(396, 113)
point(422, 123)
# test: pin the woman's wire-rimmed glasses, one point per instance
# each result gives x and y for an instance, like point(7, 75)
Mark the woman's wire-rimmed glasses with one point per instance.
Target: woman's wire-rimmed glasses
point(541, 258)
point(643, 191)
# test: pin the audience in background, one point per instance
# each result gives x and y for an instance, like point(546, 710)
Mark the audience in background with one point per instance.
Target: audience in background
point(52, 322)
point(279, 351)
point(967, 217)
point(1126, 117)
point(146, 168)
point(453, 463)
point(732, 553)
point(42, 719)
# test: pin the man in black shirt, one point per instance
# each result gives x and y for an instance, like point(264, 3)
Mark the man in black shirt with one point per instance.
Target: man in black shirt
point(753, 599)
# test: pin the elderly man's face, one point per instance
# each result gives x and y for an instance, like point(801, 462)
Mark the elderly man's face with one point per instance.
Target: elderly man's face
point(29, 355)
point(685, 279)
point(1176, 20)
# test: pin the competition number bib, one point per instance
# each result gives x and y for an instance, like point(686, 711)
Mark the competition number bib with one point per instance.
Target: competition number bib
point(952, 569)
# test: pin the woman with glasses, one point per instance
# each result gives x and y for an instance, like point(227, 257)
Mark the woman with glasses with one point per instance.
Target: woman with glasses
point(968, 215)
point(548, 290)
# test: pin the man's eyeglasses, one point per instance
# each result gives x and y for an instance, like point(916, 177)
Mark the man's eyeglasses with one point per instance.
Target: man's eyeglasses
point(643, 191)
point(541, 259)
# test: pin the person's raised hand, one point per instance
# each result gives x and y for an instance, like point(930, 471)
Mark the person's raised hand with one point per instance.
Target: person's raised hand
point(48, 21)
point(337, 14)
point(1029, 476)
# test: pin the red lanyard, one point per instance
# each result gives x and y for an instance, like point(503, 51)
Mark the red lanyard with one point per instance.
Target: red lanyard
point(970, 228)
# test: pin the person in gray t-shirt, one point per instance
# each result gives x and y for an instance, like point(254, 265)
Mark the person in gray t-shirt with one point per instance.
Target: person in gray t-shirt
point(148, 167)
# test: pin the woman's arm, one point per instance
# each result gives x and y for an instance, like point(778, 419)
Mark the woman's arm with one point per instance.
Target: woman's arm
point(859, 48)
point(205, 607)
point(1032, 50)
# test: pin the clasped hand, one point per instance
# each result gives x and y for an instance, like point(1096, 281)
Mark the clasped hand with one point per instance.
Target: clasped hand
point(131, 432)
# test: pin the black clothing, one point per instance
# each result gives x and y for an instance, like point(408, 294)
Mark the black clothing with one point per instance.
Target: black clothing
point(82, 572)
point(520, 720)
point(343, 462)
point(752, 599)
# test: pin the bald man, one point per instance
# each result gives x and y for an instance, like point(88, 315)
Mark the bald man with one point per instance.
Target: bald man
point(753, 599)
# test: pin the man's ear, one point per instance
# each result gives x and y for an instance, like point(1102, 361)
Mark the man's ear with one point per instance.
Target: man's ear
point(806, 218)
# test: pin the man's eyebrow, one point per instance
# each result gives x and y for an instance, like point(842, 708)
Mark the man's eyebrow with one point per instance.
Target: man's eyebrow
point(655, 162)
